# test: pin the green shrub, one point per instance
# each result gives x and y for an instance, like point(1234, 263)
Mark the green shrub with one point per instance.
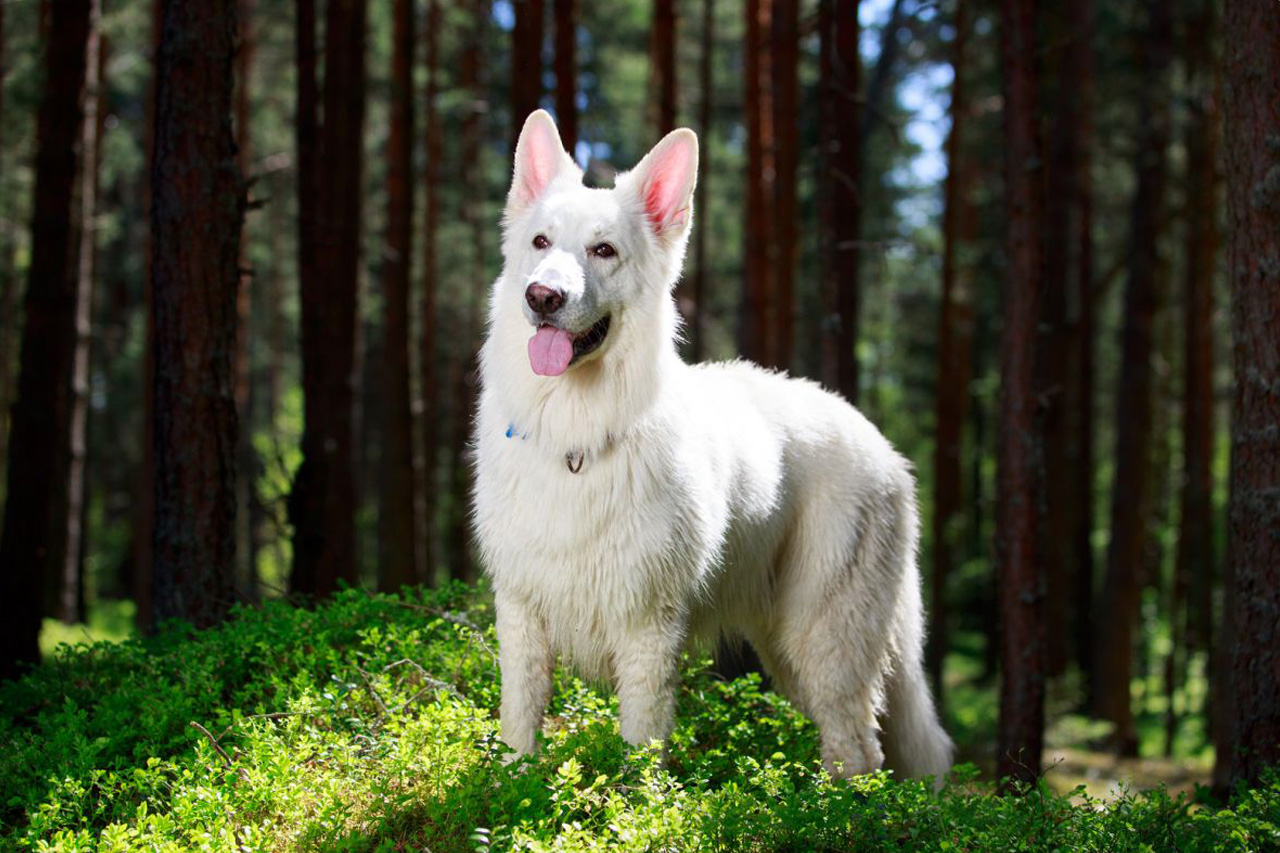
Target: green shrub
point(367, 725)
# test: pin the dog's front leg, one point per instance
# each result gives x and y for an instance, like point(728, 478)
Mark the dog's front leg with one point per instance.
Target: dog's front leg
point(526, 659)
point(646, 667)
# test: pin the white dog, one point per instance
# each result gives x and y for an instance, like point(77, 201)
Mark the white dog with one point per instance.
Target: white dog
point(627, 503)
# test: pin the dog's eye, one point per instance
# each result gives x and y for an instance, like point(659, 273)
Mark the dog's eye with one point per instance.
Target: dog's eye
point(604, 250)
point(541, 242)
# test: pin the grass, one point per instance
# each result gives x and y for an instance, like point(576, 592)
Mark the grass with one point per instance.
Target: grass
point(367, 724)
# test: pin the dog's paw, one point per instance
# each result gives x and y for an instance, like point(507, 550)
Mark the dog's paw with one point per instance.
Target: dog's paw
point(852, 757)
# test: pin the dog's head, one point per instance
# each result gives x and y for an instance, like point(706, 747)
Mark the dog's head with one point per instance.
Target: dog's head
point(581, 263)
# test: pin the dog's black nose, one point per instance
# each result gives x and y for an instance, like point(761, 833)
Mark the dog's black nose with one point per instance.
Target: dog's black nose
point(543, 300)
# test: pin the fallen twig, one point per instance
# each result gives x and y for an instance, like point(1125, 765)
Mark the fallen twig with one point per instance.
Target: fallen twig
point(373, 691)
point(213, 741)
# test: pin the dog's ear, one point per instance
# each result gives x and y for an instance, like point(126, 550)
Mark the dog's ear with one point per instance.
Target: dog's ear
point(665, 179)
point(540, 159)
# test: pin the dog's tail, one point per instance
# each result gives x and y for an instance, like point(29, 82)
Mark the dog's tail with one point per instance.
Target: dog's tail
point(915, 744)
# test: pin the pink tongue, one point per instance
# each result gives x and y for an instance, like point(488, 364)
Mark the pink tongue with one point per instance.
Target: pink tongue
point(550, 351)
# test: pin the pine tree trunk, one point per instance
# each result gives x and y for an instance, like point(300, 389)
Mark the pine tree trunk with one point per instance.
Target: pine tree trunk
point(526, 62)
point(1154, 575)
point(663, 66)
point(756, 327)
point(269, 302)
point(143, 553)
point(786, 123)
point(1020, 573)
point(460, 564)
point(566, 68)
point(693, 305)
point(1132, 495)
point(323, 503)
point(1252, 122)
point(305, 504)
point(398, 558)
point(1195, 566)
point(429, 380)
point(71, 590)
point(1055, 344)
point(9, 328)
point(841, 211)
point(1080, 391)
point(197, 212)
point(246, 563)
point(34, 535)
point(8, 301)
point(1222, 673)
point(955, 338)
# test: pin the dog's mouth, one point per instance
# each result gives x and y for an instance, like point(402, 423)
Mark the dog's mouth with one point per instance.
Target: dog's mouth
point(589, 341)
point(552, 349)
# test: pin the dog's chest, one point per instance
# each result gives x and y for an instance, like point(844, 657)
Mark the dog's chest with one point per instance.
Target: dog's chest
point(613, 525)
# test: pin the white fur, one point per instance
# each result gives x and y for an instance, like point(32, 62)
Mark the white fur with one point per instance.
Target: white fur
point(711, 499)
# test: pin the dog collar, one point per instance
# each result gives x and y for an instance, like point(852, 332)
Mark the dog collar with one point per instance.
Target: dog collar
point(573, 459)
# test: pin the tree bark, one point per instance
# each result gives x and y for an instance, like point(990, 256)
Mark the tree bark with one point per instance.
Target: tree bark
point(1020, 573)
point(197, 212)
point(1252, 122)
point(247, 464)
point(323, 503)
point(145, 490)
point(756, 328)
point(71, 606)
point(785, 38)
point(841, 202)
point(692, 305)
point(955, 338)
point(1080, 391)
point(460, 564)
point(1131, 495)
point(8, 301)
point(1195, 562)
point(429, 380)
point(1056, 332)
point(663, 67)
point(526, 63)
point(566, 68)
point(398, 564)
point(269, 300)
point(34, 535)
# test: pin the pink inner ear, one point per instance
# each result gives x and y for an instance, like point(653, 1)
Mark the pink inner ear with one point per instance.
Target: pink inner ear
point(539, 162)
point(666, 186)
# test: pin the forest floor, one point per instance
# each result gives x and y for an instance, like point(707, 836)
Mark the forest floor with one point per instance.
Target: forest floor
point(1103, 774)
point(367, 724)
point(1073, 757)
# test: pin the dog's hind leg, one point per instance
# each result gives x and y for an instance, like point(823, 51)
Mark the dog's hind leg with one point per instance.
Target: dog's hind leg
point(840, 696)
point(527, 660)
point(849, 627)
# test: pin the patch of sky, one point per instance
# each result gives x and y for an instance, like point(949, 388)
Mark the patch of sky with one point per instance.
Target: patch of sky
point(924, 94)
point(504, 15)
